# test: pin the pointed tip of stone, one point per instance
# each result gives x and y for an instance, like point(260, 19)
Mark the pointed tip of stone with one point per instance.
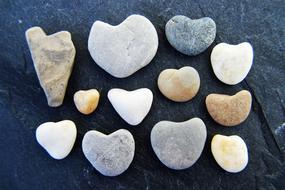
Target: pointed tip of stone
point(34, 32)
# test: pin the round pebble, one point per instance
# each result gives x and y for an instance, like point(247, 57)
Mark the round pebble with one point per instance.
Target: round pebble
point(86, 101)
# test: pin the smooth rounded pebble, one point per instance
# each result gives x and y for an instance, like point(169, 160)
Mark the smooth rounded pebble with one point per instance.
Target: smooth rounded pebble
point(123, 49)
point(132, 106)
point(86, 101)
point(110, 154)
point(229, 110)
point(188, 36)
point(178, 145)
point(230, 152)
point(179, 85)
point(231, 63)
point(53, 57)
point(57, 138)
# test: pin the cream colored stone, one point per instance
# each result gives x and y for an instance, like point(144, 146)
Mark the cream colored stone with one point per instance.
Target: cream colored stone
point(179, 85)
point(86, 101)
point(229, 110)
point(230, 152)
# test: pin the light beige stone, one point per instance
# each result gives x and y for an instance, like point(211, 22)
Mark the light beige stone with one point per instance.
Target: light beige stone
point(53, 58)
point(229, 110)
point(86, 101)
point(230, 152)
point(179, 85)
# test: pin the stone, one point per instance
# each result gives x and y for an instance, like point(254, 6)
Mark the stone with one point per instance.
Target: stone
point(190, 37)
point(123, 49)
point(179, 85)
point(178, 145)
point(132, 106)
point(229, 110)
point(231, 63)
point(57, 138)
point(110, 154)
point(230, 152)
point(53, 58)
point(86, 101)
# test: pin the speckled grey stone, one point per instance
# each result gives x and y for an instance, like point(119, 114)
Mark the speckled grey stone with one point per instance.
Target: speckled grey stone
point(110, 154)
point(53, 58)
point(188, 36)
point(178, 145)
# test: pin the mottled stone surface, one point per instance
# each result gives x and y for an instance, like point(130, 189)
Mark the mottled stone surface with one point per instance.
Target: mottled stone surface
point(188, 36)
point(178, 145)
point(53, 58)
point(86, 101)
point(24, 108)
point(57, 138)
point(229, 110)
point(110, 154)
point(179, 85)
point(123, 49)
point(231, 63)
point(230, 152)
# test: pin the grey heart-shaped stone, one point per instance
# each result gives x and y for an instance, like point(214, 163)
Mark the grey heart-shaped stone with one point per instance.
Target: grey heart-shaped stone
point(188, 36)
point(178, 145)
point(53, 58)
point(110, 154)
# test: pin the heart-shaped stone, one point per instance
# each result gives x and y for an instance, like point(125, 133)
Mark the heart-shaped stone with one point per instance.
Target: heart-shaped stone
point(86, 101)
point(231, 63)
point(230, 152)
point(179, 85)
point(110, 154)
point(53, 58)
point(178, 145)
point(57, 138)
point(132, 106)
point(188, 36)
point(123, 49)
point(229, 110)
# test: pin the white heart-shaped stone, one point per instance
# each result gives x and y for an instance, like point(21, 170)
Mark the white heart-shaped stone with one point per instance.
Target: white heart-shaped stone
point(123, 49)
point(178, 145)
point(231, 63)
point(230, 152)
point(132, 106)
point(110, 154)
point(57, 138)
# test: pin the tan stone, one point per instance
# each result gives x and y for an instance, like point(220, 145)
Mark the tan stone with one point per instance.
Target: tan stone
point(229, 110)
point(179, 85)
point(86, 101)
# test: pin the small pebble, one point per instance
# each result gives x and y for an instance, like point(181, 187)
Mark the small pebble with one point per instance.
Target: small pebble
point(123, 49)
point(190, 37)
point(110, 154)
point(57, 138)
point(86, 101)
point(53, 58)
point(132, 106)
point(230, 152)
point(231, 63)
point(178, 145)
point(229, 110)
point(179, 85)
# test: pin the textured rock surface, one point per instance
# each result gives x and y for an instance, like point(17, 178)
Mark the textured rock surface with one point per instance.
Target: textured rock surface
point(132, 106)
point(123, 49)
point(86, 101)
point(24, 108)
point(110, 154)
point(53, 58)
point(188, 36)
point(231, 63)
point(179, 145)
point(230, 152)
point(229, 110)
point(179, 85)
point(57, 138)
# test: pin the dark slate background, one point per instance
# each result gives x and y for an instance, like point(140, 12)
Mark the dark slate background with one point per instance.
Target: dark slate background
point(25, 165)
